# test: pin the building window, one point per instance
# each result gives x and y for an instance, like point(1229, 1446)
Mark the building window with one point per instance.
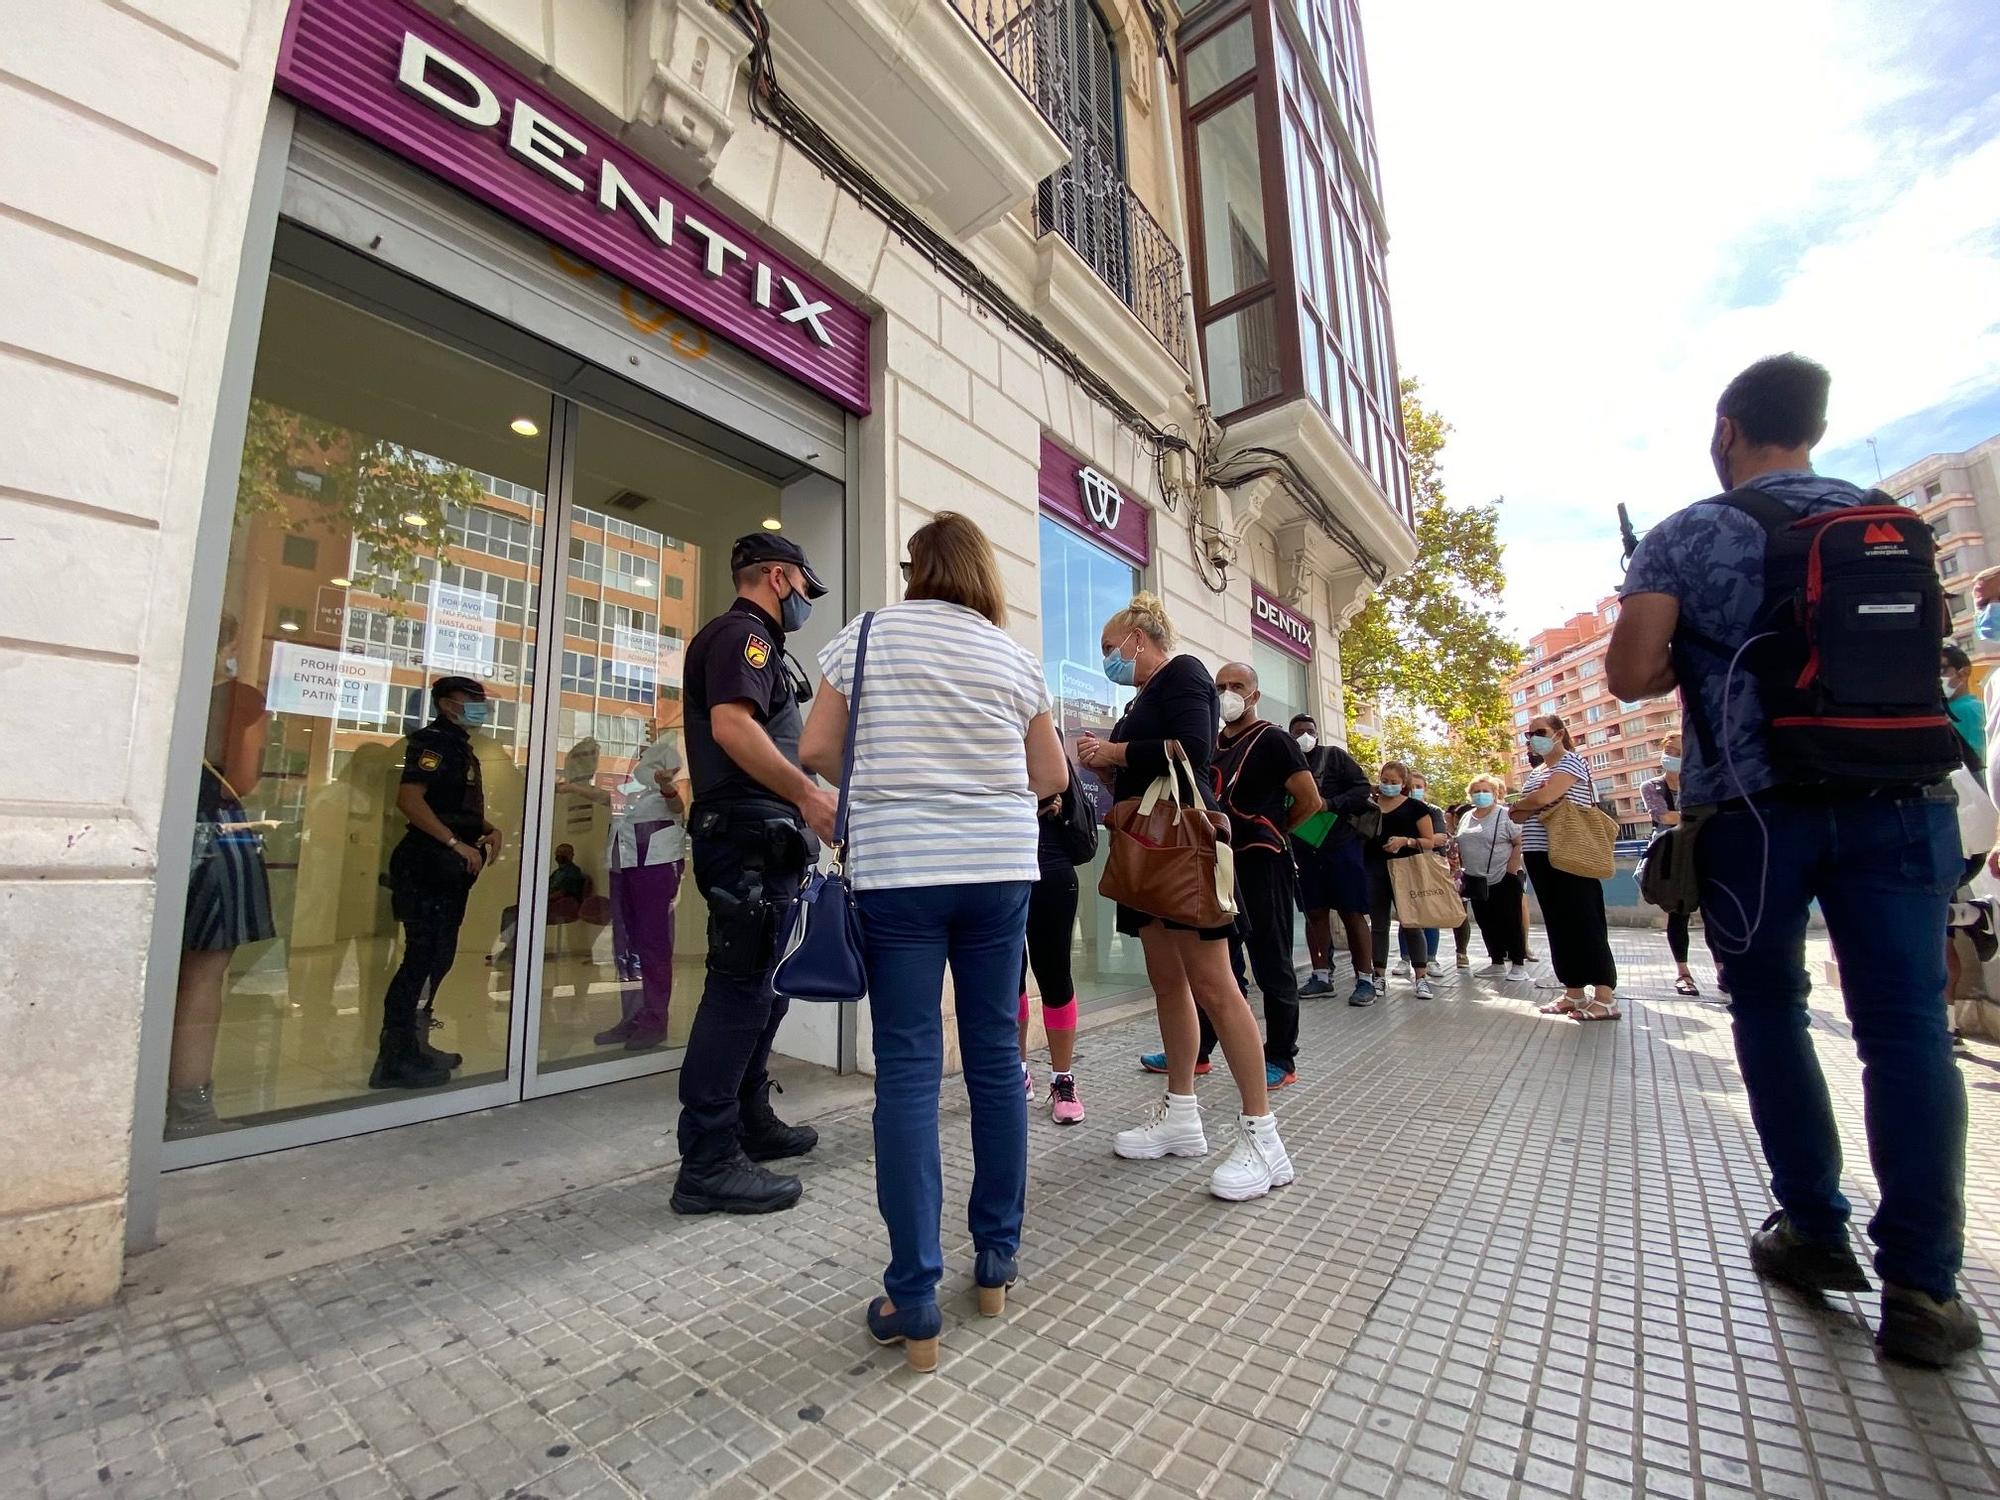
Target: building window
point(1948, 565)
point(675, 585)
point(300, 552)
point(1077, 79)
point(1222, 59)
point(1941, 527)
point(1932, 491)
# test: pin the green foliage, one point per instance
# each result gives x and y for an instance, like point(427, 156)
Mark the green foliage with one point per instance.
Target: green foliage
point(390, 497)
point(1429, 652)
point(1445, 760)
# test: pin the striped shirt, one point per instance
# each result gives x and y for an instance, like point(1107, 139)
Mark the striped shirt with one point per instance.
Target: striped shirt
point(1535, 834)
point(940, 792)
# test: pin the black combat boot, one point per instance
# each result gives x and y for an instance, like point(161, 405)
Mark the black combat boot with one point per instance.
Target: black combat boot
point(437, 1057)
point(732, 1184)
point(766, 1137)
point(400, 1063)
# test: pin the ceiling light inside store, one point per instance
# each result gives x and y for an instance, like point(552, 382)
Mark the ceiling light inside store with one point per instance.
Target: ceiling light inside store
point(772, 523)
point(411, 518)
point(525, 426)
point(288, 624)
point(341, 583)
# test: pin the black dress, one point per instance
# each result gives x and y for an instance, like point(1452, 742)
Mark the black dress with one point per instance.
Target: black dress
point(1178, 702)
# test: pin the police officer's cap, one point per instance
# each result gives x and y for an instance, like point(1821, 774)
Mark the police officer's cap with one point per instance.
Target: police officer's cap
point(472, 687)
point(768, 546)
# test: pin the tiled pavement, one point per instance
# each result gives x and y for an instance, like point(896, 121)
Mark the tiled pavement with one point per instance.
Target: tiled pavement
point(1514, 1265)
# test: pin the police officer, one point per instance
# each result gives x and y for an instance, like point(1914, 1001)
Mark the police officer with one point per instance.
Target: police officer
point(430, 874)
point(756, 815)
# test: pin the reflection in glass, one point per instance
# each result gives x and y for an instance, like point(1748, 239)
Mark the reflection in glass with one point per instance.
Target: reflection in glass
point(1223, 58)
point(1236, 254)
point(1242, 354)
point(387, 533)
point(1083, 586)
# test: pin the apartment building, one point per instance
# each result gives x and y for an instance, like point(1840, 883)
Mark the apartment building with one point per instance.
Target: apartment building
point(1958, 494)
point(374, 340)
point(1563, 673)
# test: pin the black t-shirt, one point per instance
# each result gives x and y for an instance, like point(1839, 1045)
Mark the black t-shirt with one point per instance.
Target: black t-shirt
point(1343, 786)
point(738, 657)
point(1254, 767)
point(439, 759)
point(1404, 823)
point(1177, 703)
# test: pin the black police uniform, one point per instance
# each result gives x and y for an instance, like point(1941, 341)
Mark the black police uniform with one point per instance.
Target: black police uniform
point(751, 849)
point(428, 885)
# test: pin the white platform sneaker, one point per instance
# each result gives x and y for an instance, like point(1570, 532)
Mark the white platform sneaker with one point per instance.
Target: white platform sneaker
point(1173, 1129)
point(1257, 1164)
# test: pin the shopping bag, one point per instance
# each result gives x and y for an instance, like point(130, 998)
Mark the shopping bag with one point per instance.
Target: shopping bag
point(1426, 895)
point(1169, 855)
point(1580, 840)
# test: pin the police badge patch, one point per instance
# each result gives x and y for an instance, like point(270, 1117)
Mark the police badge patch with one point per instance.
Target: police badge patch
point(757, 651)
point(429, 760)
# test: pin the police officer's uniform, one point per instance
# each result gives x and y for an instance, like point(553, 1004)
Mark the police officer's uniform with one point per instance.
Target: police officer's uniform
point(751, 848)
point(428, 886)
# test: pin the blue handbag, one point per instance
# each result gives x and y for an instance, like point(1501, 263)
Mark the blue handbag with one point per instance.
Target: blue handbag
point(821, 956)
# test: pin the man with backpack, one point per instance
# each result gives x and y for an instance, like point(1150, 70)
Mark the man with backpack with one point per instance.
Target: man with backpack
point(1263, 785)
point(1334, 877)
point(1801, 619)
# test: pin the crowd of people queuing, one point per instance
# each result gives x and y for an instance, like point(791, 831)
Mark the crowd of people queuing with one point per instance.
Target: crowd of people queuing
point(961, 824)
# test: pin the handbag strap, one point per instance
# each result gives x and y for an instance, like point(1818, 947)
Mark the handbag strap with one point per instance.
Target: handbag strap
point(847, 749)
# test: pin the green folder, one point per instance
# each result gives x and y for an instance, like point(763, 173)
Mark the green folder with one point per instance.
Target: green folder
point(1315, 829)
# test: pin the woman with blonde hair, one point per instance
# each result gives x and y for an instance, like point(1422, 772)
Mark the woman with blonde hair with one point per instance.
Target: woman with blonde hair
point(1177, 700)
point(1490, 864)
point(953, 748)
point(1572, 905)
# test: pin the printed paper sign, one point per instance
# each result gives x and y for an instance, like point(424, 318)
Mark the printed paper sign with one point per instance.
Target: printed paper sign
point(326, 684)
point(461, 630)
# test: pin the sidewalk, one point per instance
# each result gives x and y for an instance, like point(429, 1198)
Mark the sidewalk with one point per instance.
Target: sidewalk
point(1514, 1264)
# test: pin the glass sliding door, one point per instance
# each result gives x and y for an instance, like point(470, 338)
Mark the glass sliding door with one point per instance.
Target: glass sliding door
point(388, 532)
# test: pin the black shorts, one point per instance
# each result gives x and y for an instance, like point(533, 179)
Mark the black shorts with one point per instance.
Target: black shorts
point(1131, 920)
point(1333, 877)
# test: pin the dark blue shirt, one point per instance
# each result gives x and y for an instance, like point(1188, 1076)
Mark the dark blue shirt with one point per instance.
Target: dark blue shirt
point(1711, 558)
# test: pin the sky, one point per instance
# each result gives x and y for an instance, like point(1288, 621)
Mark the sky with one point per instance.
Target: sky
point(1599, 213)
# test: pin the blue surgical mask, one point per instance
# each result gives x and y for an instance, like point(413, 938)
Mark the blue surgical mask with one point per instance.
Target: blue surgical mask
point(1482, 799)
point(1541, 744)
point(1417, 793)
point(474, 713)
point(1987, 627)
point(1670, 762)
point(793, 610)
point(1389, 788)
point(1120, 669)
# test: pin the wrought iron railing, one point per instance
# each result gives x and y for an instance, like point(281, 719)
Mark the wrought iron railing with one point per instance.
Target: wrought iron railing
point(1087, 201)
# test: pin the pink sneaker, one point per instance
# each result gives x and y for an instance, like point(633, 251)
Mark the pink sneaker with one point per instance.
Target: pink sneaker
point(1064, 1107)
point(1028, 1080)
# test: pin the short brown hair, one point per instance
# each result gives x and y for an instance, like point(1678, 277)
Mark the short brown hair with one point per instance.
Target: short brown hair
point(950, 559)
point(1555, 722)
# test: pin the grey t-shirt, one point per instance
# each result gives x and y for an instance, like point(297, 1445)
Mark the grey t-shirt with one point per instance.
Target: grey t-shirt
point(1486, 840)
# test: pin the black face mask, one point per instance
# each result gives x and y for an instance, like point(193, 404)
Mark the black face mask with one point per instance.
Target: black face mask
point(1534, 759)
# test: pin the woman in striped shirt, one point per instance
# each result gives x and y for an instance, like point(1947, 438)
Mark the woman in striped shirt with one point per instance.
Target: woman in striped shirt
point(953, 747)
point(1572, 905)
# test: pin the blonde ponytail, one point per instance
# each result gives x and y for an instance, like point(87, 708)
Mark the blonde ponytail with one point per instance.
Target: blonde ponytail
point(1147, 615)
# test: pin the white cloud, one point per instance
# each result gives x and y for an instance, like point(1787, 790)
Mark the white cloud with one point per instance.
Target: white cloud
point(1577, 192)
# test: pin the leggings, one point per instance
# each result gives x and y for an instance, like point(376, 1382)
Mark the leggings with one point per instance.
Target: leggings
point(1499, 916)
point(1677, 936)
point(1573, 910)
point(1381, 897)
point(1051, 918)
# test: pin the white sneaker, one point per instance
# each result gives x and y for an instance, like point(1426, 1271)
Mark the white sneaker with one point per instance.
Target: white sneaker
point(1257, 1163)
point(1549, 982)
point(1516, 974)
point(1173, 1129)
point(1491, 971)
point(1424, 991)
point(1402, 970)
point(1028, 1081)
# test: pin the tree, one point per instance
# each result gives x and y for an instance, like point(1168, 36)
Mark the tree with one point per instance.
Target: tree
point(1429, 653)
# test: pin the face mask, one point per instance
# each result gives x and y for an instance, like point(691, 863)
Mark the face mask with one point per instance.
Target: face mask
point(792, 612)
point(229, 666)
point(1541, 744)
point(1307, 742)
point(1120, 669)
point(1534, 759)
point(1987, 628)
point(472, 715)
point(1417, 793)
point(1389, 788)
point(1482, 799)
point(1670, 762)
point(1232, 706)
point(633, 788)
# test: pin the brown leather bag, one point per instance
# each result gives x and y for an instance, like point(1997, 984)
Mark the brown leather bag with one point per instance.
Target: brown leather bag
point(1169, 856)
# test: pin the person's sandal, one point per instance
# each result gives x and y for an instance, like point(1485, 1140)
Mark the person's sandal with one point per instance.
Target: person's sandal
point(1685, 985)
point(1563, 1005)
point(1597, 1010)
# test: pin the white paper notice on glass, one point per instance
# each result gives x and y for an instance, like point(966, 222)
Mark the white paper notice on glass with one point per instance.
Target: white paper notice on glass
point(326, 684)
point(460, 632)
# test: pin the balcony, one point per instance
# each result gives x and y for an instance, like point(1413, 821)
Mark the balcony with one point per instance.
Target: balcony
point(934, 97)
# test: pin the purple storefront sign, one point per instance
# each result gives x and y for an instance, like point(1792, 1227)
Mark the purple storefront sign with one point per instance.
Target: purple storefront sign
point(409, 82)
point(1092, 504)
point(1273, 620)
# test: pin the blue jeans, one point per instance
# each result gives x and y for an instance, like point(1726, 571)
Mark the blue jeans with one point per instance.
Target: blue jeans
point(909, 934)
point(1882, 871)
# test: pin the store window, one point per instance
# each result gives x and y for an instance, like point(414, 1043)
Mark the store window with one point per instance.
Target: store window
point(1285, 682)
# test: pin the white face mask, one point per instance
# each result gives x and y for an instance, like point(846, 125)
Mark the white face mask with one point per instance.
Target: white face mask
point(1232, 706)
point(1307, 742)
